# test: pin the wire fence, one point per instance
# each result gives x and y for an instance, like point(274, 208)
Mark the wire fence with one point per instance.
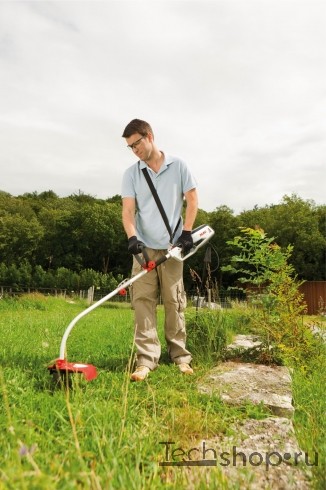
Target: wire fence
point(209, 299)
point(314, 296)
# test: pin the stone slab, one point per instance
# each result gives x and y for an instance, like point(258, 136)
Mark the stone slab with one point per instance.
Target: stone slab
point(236, 383)
point(244, 342)
point(263, 454)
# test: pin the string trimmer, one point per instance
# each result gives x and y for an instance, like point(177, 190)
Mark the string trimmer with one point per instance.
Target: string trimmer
point(199, 235)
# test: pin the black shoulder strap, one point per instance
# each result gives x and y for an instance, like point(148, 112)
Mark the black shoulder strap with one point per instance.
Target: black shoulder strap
point(159, 204)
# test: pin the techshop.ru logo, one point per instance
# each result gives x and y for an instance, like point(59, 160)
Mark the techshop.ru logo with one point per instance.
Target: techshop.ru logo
point(205, 456)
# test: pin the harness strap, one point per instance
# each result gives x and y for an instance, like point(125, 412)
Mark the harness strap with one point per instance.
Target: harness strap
point(159, 205)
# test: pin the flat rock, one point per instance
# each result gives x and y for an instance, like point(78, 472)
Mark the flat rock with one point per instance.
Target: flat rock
point(236, 383)
point(318, 332)
point(244, 342)
point(262, 454)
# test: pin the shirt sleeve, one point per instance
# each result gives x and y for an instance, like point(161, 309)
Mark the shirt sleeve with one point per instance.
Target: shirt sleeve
point(188, 180)
point(128, 188)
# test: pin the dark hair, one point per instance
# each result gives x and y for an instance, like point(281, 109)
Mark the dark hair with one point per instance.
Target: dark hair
point(137, 126)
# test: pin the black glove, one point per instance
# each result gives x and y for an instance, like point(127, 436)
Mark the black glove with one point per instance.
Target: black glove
point(185, 241)
point(135, 246)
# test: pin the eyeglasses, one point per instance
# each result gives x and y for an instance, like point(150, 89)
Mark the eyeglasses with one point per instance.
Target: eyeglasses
point(135, 144)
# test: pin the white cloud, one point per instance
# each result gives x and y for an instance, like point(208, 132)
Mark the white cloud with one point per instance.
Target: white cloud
point(235, 88)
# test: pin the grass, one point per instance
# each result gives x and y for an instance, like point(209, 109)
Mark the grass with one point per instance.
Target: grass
point(105, 434)
point(310, 408)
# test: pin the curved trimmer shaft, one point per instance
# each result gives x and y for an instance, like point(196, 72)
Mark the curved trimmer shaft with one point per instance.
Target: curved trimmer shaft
point(92, 307)
point(200, 236)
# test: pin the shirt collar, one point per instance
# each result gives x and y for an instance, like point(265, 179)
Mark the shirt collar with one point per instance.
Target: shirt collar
point(168, 159)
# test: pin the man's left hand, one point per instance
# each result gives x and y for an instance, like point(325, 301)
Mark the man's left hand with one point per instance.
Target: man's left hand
point(185, 241)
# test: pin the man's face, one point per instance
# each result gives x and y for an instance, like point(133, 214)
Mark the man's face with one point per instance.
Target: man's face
point(140, 145)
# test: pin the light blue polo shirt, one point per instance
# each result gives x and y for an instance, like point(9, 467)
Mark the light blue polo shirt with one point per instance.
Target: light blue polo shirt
point(171, 183)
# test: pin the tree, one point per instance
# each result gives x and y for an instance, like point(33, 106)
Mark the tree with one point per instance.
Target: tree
point(299, 223)
point(60, 247)
point(80, 232)
point(19, 238)
point(116, 199)
point(225, 225)
point(100, 235)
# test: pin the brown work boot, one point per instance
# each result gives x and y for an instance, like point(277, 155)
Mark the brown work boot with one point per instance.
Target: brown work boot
point(185, 368)
point(140, 373)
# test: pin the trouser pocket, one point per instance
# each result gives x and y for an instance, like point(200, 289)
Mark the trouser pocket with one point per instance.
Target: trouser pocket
point(182, 298)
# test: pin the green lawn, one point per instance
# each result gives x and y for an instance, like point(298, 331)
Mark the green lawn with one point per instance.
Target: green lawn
point(105, 434)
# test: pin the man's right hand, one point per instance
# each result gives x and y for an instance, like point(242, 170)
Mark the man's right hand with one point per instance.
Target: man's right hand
point(135, 246)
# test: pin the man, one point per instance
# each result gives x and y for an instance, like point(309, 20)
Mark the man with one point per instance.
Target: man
point(144, 225)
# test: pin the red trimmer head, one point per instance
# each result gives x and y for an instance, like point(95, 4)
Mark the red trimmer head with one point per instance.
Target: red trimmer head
point(64, 367)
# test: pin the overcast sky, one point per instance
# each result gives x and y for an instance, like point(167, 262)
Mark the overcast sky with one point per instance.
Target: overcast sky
point(235, 88)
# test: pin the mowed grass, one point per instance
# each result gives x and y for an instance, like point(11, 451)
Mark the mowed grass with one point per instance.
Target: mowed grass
point(107, 433)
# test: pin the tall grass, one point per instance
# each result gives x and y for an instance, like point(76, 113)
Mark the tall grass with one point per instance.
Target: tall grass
point(309, 381)
point(105, 434)
point(207, 334)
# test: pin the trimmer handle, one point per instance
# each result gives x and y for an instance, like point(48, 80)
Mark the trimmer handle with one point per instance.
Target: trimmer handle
point(145, 263)
point(144, 260)
point(200, 237)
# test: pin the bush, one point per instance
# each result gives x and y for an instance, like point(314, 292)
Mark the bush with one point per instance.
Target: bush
point(25, 276)
point(273, 291)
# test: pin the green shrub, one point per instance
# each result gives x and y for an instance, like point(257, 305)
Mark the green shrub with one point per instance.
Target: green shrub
point(273, 292)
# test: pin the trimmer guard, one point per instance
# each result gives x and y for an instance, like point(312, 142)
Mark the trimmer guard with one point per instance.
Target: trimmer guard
point(65, 367)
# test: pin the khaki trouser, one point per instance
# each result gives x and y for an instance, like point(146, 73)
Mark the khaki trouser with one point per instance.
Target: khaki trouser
point(168, 278)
